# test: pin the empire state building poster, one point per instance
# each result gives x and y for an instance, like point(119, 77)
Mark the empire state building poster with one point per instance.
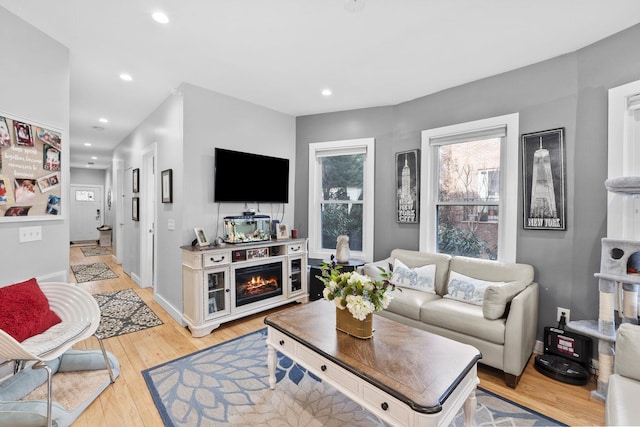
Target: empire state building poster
point(407, 186)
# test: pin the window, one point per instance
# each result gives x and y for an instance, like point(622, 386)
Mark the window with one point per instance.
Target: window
point(470, 184)
point(341, 197)
point(623, 212)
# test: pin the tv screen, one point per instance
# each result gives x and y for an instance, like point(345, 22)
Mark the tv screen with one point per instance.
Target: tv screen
point(245, 177)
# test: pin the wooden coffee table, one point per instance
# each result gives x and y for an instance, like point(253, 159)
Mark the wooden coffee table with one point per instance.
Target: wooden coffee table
point(404, 375)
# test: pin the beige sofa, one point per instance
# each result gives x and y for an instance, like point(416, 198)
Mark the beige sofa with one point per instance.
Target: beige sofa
point(624, 383)
point(503, 325)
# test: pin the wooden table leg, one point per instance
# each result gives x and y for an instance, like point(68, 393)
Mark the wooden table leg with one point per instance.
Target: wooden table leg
point(469, 408)
point(271, 364)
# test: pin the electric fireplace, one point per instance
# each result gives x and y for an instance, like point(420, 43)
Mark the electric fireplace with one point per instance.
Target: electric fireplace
point(258, 283)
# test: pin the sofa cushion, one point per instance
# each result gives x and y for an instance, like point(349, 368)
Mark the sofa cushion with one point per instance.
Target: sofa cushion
point(407, 302)
point(467, 289)
point(25, 310)
point(463, 318)
point(628, 351)
point(622, 398)
point(372, 269)
point(493, 271)
point(496, 298)
point(417, 259)
point(418, 278)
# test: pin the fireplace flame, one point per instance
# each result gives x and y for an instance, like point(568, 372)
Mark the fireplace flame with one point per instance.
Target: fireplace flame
point(257, 285)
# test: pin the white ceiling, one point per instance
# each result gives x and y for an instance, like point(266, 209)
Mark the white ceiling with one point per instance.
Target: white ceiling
point(281, 53)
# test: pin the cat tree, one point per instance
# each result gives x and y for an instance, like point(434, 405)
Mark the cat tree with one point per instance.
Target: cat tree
point(618, 284)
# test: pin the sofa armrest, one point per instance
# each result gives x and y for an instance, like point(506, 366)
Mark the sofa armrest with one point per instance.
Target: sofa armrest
point(520, 330)
point(628, 351)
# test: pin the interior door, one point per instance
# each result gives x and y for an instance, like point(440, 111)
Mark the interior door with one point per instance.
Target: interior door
point(87, 211)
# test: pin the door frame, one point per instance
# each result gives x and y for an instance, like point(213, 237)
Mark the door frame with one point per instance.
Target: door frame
point(148, 226)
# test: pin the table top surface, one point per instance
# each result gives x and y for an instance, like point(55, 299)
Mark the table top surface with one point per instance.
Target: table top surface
point(417, 367)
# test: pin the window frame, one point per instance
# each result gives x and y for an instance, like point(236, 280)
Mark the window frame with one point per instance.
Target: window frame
point(509, 168)
point(315, 195)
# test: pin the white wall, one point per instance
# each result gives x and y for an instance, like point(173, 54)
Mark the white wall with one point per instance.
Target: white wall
point(214, 120)
point(39, 93)
point(187, 127)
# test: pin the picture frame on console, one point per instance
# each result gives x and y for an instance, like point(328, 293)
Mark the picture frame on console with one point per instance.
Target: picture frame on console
point(282, 231)
point(201, 237)
point(544, 180)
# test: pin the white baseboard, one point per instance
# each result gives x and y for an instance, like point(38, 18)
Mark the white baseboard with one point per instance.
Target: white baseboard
point(136, 279)
point(173, 312)
point(538, 348)
point(58, 276)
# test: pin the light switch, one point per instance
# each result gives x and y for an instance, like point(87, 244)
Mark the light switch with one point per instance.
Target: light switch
point(171, 224)
point(30, 234)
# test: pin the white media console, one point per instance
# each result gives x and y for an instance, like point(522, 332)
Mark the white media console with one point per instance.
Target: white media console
point(229, 281)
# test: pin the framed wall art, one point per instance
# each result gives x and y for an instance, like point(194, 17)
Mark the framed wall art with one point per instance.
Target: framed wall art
point(167, 186)
point(407, 182)
point(30, 175)
point(135, 208)
point(544, 180)
point(135, 179)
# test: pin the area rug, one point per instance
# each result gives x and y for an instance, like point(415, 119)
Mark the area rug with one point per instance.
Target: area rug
point(123, 312)
point(95, 251)
point(228, 384)
point(92, 272)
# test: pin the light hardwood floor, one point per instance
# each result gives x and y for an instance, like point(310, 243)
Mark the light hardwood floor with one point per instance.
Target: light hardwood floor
point(127, 402)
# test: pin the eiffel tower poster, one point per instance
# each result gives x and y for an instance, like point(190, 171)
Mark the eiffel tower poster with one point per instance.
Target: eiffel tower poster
point(543, 162)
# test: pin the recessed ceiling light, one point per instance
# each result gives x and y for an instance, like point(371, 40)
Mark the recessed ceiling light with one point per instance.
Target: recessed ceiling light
point(103, 120)
point(94, 158)
point(126, 77)
point(326, 92)
point(160, 17)
point(87, 144)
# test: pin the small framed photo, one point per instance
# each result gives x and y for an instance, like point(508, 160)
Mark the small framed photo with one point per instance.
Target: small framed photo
point(201, 237)
point(136, 180)
point(283, 231)
point(135, 208)
point(167, 186)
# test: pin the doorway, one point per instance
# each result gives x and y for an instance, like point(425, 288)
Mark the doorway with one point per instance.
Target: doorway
point(148, 219)
point(87, 210)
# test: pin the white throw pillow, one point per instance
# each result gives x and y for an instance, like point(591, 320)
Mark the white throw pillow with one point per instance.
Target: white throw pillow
point(419, 278)
point(467, 289)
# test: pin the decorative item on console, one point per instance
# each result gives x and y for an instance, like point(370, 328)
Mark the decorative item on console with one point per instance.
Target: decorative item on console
point(247, 228)
point(342, 249)
point(358, 294)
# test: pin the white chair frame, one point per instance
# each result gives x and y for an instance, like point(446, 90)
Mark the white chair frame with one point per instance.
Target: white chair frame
point(71, 304)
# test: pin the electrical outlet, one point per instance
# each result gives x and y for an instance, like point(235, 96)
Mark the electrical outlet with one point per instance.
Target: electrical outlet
point(566, 311)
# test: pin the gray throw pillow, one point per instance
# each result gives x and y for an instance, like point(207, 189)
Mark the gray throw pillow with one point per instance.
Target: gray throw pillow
point(496, 298)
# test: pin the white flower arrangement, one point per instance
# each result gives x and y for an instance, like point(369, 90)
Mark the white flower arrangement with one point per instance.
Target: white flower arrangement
point(356, 292)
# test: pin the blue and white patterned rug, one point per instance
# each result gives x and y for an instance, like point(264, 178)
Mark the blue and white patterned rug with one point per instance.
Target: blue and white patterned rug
point(228, 385)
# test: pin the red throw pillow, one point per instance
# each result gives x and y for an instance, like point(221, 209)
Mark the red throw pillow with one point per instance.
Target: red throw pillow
point(25, 311)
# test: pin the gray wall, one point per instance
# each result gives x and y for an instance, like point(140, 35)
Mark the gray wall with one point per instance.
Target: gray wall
point(84, 176)
point(40, 94)
point(568, 91)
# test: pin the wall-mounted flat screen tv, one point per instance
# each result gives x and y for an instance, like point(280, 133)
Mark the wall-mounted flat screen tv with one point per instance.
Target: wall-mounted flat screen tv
point(250, 178)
